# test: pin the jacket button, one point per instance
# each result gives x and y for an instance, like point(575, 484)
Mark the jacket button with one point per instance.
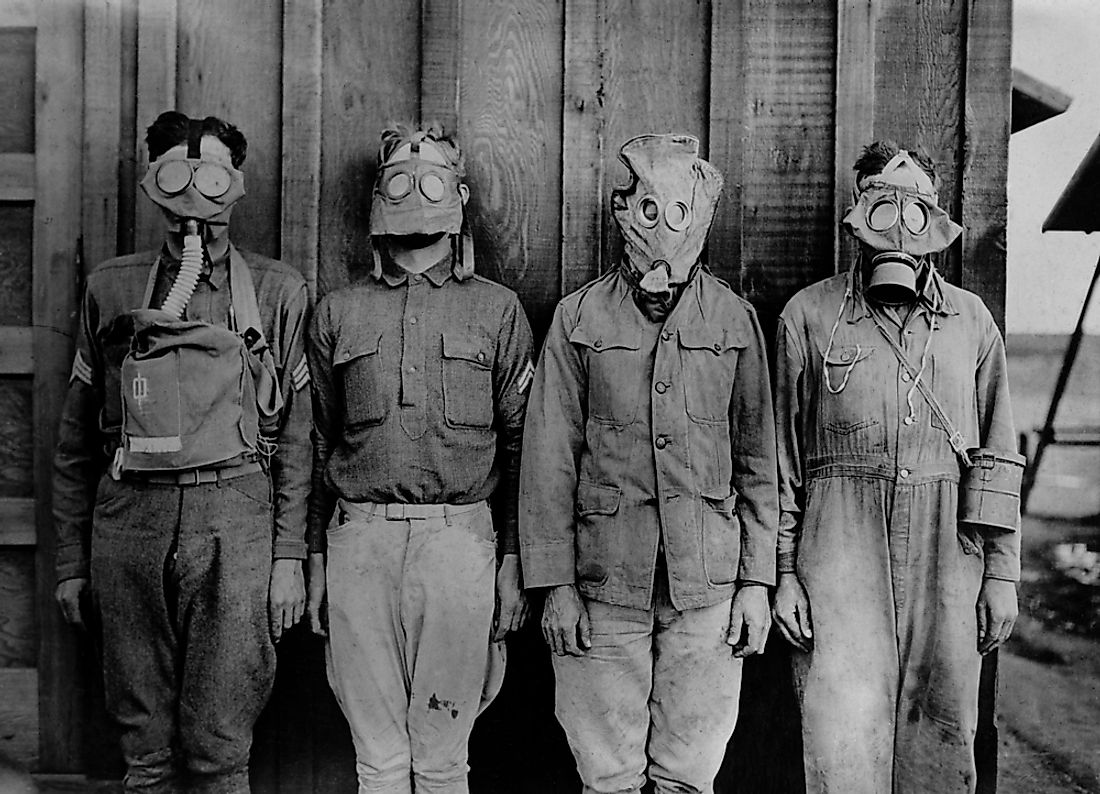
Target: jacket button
point(661, 442)
point(598, 344)
point(845, 356)
point(666, 335)
point(905, 377)
point(718, 347)
point(661, 387)
point(904, 474)
point(480, 356)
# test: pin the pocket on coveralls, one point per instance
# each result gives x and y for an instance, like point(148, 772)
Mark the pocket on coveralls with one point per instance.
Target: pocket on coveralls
point(721, 537)
point(597, 530)
point(360, 369)
point(467, 382)
point(842, 411)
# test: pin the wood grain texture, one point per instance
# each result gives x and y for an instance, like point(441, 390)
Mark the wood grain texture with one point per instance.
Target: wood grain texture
point(919, 52)
point(16, 236)
point(855, 108)
point(17, 523)
point(17, 442)
point(510, 132)
point(58, 132)
point(654, 79)
point(17, 87)
point(230, 53)
point(787, 198)
point(157, 37)
point(102, 123)
point(17, 177)
point(987, 105)
point(19, 717)
point(370, 79)
point(16, 350)
point(18, 14)
point(130, 144)
point(441, 46)
point(18, 629)
point(583, 155)
point(301, 137)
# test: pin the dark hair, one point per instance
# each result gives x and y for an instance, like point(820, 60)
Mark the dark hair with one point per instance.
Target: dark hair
point(876, 155)
point(397, 134)
point(171, 129)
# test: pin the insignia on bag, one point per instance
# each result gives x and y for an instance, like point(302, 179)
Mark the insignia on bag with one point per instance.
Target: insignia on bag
point(139, 389)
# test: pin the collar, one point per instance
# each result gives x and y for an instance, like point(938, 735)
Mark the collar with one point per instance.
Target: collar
point(218, 276)
point(394, 276)
point(932, 298)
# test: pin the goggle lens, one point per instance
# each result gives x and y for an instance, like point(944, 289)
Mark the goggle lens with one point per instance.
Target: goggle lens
point(882, 215)
point(431, 185)
point(398, 186)
point(173, 177)
point(915, 217)
point(212, 181)
point(648, 212)
point(677, 216)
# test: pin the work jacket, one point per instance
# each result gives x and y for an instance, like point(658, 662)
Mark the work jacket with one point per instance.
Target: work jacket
point(645, 438)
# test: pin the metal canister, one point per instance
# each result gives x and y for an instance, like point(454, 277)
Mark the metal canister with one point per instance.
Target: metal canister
point(989, 491)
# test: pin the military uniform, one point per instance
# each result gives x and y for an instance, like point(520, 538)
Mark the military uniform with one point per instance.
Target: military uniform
point(180, 561)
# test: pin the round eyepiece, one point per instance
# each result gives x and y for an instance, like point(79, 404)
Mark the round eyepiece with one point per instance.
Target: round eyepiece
point(174, 177)
point(649, 212)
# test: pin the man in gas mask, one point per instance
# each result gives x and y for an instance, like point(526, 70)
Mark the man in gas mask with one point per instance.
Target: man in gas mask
point(887, 376)
point(182, 469)
point(648, 497)
point(421, 377)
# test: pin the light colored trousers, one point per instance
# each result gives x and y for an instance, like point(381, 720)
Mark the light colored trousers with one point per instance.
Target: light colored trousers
point(659, 689)
point(410, 659)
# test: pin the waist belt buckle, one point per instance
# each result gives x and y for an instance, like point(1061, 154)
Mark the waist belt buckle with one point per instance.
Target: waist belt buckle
point(190, 477)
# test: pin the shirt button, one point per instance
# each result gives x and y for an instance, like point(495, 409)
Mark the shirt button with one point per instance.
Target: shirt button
point(661, 387)
point(661, 442)
point(412, 321)
point(845, 356)
point(412, 369)
point(904, 474)
point(718, 347)
point(666, 335)
point(417, 278)
point(598, 344)
point(905, 377)
point(908, 420)
point(480, 356)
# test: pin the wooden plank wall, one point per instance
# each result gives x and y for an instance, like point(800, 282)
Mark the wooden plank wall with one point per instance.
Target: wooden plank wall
point(781, 93)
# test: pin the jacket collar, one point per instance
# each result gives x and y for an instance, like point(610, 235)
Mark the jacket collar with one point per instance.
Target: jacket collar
point(437, 274)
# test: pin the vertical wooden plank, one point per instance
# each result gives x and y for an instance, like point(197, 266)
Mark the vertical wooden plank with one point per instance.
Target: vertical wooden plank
point(371, 77)
point(301, 125)
point(229, 65)
point(441, 45)
point(987, 105)
point(582, 146)
point(787, 199)
point(156, 92)
point(509, 127)
point(855, 108)
point(58, 137)
point(918, 91)
point(102, 120)
point(727, 135)
point(129, 142)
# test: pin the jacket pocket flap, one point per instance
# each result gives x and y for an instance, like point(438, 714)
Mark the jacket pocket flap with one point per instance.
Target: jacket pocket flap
point(357, 348)
point(723, 500)
point(716, 340)
point(843, 356)
point(455, 346)
point(593, 499)
point(597, 339)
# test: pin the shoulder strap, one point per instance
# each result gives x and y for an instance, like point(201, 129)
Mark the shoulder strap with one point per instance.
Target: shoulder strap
point(245, 311)
point(954, 437)
point(151, 284)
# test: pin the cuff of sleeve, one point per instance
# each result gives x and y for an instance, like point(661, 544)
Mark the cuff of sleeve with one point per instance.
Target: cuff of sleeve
point(548, 566)
point(509, 542)
point(290, 550)
point(72, 569)
point(758, 569)
point(785, 561)
point(1001, 564)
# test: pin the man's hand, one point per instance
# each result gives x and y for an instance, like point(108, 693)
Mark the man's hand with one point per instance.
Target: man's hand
point(792, 612)
point(565, 624)
point(68, 595)
point(286, 597)
point(750, 615)
point(316, 605)
point(511, 601)
point(997, 611)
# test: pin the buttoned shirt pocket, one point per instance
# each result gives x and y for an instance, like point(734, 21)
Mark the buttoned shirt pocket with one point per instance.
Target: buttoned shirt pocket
point(708, 362)
point(360, 367)
point(721, 541)
point(467, 381)
point(614, 367)
point(597, 530)
point(850, 390)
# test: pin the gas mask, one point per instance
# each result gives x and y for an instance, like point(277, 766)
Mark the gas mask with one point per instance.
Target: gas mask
point(200, 189)
point(897, 215)
point(666, 210)
point(416, 192)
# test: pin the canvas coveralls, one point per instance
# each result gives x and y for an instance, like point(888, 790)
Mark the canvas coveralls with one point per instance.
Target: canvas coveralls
point(420, 385)
point(648, 481)
point(868, 494)
point(180, 570)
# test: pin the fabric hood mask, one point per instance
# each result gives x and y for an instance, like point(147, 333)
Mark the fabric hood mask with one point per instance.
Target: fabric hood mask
point(416, 192)
point(666, 211)
point(896, 213)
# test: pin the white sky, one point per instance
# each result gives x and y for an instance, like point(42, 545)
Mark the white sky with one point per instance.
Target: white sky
point(1058, 42)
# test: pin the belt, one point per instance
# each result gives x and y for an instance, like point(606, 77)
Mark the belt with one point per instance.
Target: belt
point(402, 512)
point(194, 476)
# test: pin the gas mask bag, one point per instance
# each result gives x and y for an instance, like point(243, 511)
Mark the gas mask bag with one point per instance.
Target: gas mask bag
point(666, 211)
point(897, 215)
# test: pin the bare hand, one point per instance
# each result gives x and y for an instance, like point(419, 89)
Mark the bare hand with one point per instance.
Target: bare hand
point(997, 612)
point(511, 601)
point(792, 612)
point(565, 624)
point(750, 615)
point(316, 603)
point(68, 595)
point(286, 596)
